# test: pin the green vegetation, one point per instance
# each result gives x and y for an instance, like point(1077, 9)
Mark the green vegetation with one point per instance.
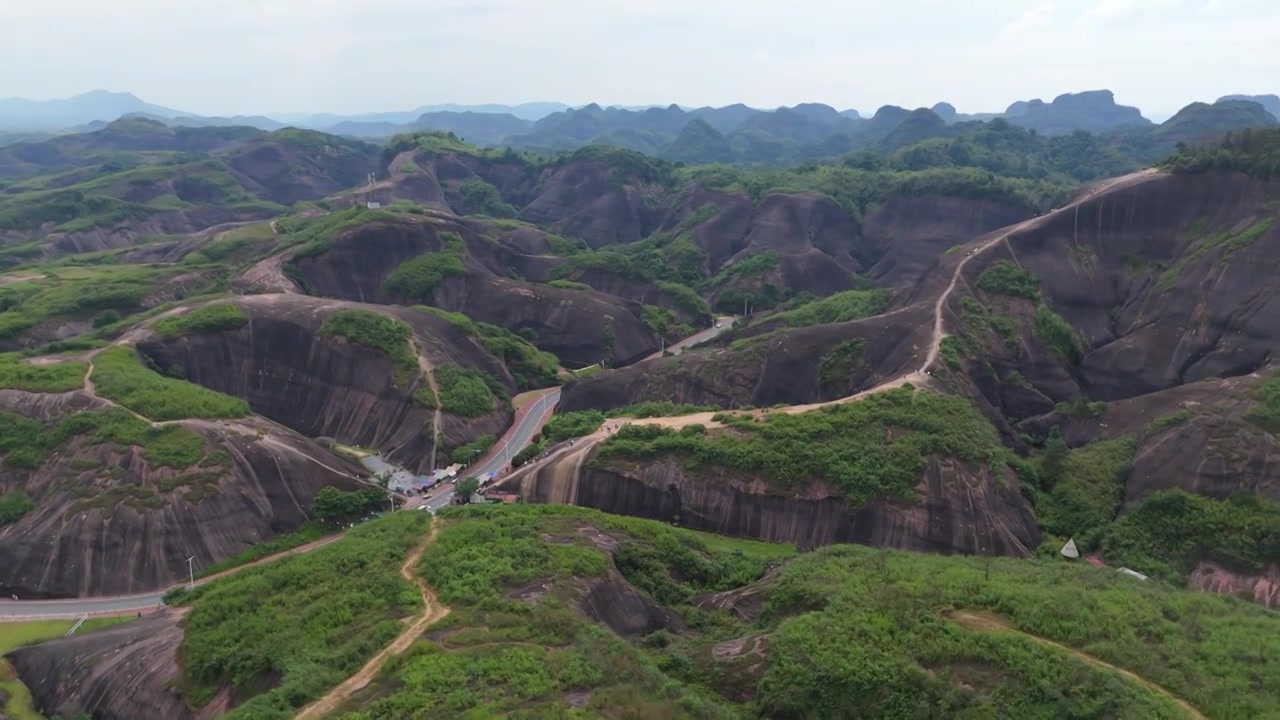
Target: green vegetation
point(468, 453)
point(748, 267)
point(841, 307)
point(26, 443)
point(119, 375)
point(1169, 420)
point(1081, 407)
point(317, 235)
point(664, 323)
point(837, 366)
point(1058, 334)
point(211, 318)
point(531, 368)
point(503, 656)
point(1266, 414)
point(308, 533)
point(659, 408)
point(334, 507)
point(418, 277)
point(388, 335)
point(1254, 151)
point(1005, 278)
point(1169, 532)
point(566, 247)
point(13, 505)
point(877, 448)
point(530, 452)
point(1201, 244)
point(1084, 490)
point(687, 300)
point(47, 293)
point(17, 634)
point(857, 188)
point(54, 377)
point(568, 285)
point(467, 393)
point(393, 338)
point(564, 426)
point(309, 621)
point(481, 198)
point(872, 624)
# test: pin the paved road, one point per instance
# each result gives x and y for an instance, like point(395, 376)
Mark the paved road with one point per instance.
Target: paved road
point(528, 423)
point(725, 323)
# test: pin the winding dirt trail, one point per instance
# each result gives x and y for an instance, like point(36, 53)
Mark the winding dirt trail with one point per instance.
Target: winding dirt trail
point(430, 371)
point(433, 611)
point(919, 377)
point(986, 622)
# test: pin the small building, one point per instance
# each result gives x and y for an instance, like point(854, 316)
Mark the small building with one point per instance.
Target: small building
point(373, 204)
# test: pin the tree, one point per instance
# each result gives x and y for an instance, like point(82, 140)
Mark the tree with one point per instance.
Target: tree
point(334, 506)
point(468, 487)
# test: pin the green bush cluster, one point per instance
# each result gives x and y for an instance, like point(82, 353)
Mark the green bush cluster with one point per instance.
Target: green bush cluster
point(503, 656)
point(1005, 278)
point(373, 330)
point(850, 631)
point(876, 448)
point(563, 426)
point(317, 234)
point(1169, 532)
point(13, 505)
point(530, 367)
point(49, 378)
point(211, 318)
point(469, 453)
point(467, 393)
point(308, 621)
point(120, 376)
point(482, 198)
point(841, 307)
point(418, 277)
point(26, 443)
point(659, 408)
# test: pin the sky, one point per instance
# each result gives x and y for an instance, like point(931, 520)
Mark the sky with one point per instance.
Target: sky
point(224, 57)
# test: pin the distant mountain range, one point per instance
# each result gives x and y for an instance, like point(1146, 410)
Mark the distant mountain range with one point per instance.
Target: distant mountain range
point(734, 133)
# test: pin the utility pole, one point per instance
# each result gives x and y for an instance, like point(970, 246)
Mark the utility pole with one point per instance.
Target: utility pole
point(191, 570)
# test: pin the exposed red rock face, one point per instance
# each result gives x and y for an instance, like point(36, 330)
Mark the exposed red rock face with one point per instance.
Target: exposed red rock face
point(123, 672)
point(960, 510)
point(1263, 588)
point(131, 530)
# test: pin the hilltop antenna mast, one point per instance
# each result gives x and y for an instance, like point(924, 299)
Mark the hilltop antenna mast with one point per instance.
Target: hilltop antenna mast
point(368, 195)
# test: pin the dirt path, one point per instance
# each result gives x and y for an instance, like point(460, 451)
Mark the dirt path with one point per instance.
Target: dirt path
point(432, 612)
point(986, 622)
point(429, 370)
point(918, 378)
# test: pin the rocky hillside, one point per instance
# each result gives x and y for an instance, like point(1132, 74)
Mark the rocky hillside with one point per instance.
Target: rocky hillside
point(114, 198)
point(621, 615)
point(1054, 328)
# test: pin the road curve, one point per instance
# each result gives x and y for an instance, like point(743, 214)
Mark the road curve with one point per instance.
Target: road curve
point(531, 419)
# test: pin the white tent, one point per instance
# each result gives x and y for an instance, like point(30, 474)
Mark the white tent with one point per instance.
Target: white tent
point(1069, 550)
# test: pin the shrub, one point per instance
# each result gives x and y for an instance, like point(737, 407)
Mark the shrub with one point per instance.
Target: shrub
point(877, 448)
point(119, 375)
point(211, 318)
point(465, 392)
point(563, 426)
point(841, 307)
point(1005, 278)
point(417, 278)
